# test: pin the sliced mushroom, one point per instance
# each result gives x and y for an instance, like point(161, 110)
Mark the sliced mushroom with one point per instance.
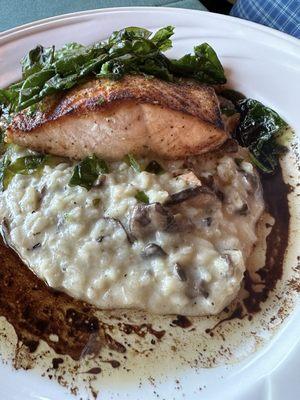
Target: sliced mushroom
point(116, 221)
point(196, 288)
point(243, 210)
point(187, 194)
point(211, 184)
point(181, 224)
point(153, 250)
point(180, 272)
point(149, 218)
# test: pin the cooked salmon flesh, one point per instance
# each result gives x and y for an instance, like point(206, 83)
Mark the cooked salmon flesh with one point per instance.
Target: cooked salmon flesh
point(135, 115)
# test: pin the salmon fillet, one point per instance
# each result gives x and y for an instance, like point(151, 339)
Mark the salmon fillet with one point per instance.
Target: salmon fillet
point(135, 115)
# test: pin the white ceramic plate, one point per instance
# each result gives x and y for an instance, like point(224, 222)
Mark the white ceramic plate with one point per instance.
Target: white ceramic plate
point(260, 62)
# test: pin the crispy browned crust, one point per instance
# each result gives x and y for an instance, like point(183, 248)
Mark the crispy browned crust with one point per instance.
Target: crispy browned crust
point(191, 98)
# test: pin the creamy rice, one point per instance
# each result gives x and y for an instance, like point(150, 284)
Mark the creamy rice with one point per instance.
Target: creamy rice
point(99, 245)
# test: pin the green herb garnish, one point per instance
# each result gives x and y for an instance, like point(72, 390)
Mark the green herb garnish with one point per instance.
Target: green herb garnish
point(4, 176)
point(131, 161)
point(132, 50)
point(142, 197)
point(27, 165)
point(154, 168)
point(87, 171)
point(260, 130)
point(24, 165)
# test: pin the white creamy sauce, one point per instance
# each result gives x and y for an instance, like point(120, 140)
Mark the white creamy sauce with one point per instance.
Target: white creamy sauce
point(102, 245)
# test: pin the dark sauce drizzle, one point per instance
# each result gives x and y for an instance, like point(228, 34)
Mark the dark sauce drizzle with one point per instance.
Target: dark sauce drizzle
point(276, 200)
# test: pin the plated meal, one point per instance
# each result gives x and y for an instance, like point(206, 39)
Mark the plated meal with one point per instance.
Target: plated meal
point(131, 180)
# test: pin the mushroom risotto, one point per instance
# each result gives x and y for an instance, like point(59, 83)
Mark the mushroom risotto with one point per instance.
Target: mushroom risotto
point(163, 236)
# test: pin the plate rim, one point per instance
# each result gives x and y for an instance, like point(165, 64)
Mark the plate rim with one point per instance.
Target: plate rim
point(9, 33)
point(44, 24)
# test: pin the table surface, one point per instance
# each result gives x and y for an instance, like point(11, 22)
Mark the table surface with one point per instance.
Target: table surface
point(15, 13)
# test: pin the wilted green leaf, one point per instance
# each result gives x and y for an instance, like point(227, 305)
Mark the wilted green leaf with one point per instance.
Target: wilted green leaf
point(203, 66)
point(37, 59)
point(24, 165)
point(260, 129)
point(162, 38)
point(87, 171)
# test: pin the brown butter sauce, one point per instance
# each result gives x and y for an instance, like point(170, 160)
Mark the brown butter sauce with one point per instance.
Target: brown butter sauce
point(275, 192)
point(39, 312)
point(276, 200)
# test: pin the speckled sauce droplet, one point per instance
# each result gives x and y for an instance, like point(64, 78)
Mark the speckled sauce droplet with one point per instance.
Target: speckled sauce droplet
point(56, 362)
point(94, 371)
point(182, 322)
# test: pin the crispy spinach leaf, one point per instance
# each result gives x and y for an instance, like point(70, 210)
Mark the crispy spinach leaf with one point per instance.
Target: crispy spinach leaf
point(132, 50)
point(129, 33)
point(203, 66)
point(87, 171)
point(5, 97)
point(67, 50)
point(37, 59)
point(260, 130)
point(162, 38)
